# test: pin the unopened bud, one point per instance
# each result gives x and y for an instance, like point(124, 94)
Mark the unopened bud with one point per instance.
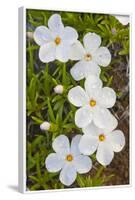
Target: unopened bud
point(45, 126)
point(29, 35)
point(59, 89)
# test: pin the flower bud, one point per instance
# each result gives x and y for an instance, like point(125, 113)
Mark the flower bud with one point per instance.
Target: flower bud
point(29, 35)
point(45, 126)
point(59, 89)
point(123, 19)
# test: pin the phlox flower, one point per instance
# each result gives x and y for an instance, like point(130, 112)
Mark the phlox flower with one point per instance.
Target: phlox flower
point(93, 103)
point(55, 41)
point(91, 56)
point(104, 141)
point(68, 160)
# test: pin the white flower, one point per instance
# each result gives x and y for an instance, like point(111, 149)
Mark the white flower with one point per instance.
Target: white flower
point(90, 56)
point(122, 19)
point(94, 101)
point(68, 160)
point(55, 42)
point(106, 142)
point(45, 126)
point(59, 89)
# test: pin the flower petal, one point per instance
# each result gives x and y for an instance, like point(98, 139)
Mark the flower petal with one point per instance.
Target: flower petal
point(117, 140)
point(77, 51)
point(123, 19)
point(77, 71)
point(88, 144)
point(61, 145)
point(54, 163)
point(47, 52)
point(83, 69)
point(42, 35)
point(83, 117)
point(74, 145)
point(62, 52)
point(92, 83)
point(55, 24)
point(91, 42)
point(83, 164)
point(104, 153)
point(69, 35)
point(107, 98)
point(91, 68)
point(104, 119)
point(91, 130)
point(102, 56)
point(77, 96)
point(68, 174)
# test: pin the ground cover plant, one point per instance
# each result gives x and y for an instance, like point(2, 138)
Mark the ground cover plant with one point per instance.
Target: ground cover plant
point(77, 100)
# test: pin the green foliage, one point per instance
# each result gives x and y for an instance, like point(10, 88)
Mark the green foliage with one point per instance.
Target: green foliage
point(44, 105)
point(99, 179)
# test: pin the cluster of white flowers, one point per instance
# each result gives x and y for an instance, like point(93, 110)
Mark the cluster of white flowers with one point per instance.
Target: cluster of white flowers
point(93, 116)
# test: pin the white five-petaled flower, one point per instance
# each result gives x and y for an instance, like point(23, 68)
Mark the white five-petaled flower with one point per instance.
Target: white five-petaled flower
point(105, 141)
point(55, 42)
point(94, 102)
point(90, 57)
point(68, 160)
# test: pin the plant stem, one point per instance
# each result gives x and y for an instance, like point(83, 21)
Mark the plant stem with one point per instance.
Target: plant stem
point(64, 74)
point(31, 59)
point(46, 79)
point(46, 68)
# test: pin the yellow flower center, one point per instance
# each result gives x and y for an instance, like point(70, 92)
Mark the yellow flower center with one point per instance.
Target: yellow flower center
point(57, 40)
point(92, 103)
point(88, 57)
point(101, 137)
point(69, 157)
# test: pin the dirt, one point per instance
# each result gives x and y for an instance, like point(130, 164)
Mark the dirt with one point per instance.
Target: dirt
point(120, 164)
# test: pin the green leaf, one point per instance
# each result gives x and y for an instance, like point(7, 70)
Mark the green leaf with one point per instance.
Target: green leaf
point(69, 126)
point(32, 90)
point(59, 104)
point(109, 82)
point(37, 142)
point(33, 178)
point(56, 98)
point(50, 111)
point(37, 120)
point(30, 162)
point(80, 181)
point(38, 166)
